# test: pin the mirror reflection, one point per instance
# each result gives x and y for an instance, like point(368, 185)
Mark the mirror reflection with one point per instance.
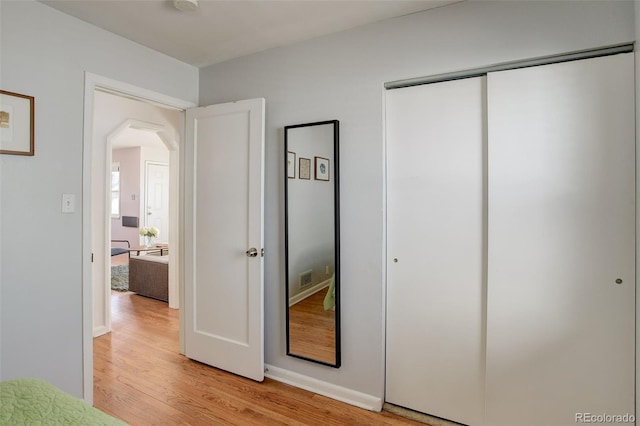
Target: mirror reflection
point(312, 242)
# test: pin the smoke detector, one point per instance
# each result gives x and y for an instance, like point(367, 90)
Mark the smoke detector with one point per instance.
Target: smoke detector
point(185, 5)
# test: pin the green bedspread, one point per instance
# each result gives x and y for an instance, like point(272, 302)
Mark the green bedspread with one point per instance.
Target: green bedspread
point(36, 402)
point(330, 298)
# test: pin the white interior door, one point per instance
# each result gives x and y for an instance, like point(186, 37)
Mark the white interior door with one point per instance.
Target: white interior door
point(436, 240)
point(223, 307)
point(157, 194)
point(560, 326)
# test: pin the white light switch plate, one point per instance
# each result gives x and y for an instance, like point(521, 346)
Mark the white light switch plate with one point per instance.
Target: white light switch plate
point(68, 203)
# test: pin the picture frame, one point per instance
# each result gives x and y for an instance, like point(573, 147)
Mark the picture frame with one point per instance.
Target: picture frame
point(321, 166)
point(16, 123)
point(305, 168)
point(291, 164)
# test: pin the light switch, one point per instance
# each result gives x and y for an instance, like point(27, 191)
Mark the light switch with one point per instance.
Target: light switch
point(68, 203)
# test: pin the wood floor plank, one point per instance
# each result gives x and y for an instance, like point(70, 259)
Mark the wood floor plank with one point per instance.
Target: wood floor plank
point(312, 330)
point(140, 377)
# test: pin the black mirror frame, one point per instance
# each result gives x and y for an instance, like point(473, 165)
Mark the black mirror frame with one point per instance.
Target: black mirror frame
point(336, 183)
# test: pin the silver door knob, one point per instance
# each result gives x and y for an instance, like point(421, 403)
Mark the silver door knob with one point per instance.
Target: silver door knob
point(252, 252)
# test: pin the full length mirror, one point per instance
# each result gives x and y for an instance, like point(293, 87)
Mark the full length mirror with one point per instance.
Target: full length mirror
point(312, 242)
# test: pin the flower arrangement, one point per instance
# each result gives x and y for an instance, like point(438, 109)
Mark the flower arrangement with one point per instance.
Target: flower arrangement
point(149, 231)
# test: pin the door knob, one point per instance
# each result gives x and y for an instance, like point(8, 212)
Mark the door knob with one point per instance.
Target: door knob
point(252, 252)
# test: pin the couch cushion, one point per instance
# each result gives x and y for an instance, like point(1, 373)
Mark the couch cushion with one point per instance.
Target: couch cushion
point(152, 258)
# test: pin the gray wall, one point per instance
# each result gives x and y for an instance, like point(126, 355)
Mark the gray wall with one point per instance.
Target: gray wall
point(129, 159)
point(341, 77)
point(637, 38)
point(45, 54)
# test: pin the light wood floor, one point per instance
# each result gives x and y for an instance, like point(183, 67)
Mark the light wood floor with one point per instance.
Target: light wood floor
point(312, 330)
point(140, 378)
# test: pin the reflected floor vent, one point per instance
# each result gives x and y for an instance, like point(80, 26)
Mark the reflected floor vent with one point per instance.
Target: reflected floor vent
point(305, 278)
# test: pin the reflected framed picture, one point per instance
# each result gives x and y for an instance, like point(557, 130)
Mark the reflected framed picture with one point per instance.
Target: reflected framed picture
point(305, 168)
point(291, 165)
point(16, 123)
point(322, 168)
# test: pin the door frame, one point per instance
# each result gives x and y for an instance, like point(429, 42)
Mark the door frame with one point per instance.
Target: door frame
point(93, 82)
point(174, 152)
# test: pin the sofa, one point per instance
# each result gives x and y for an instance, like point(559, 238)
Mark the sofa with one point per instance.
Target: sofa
point(149, 276)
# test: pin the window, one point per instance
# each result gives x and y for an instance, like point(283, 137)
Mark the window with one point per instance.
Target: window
point(115, 190)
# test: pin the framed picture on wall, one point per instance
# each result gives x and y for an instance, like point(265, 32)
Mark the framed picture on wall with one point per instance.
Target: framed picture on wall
point(305, 168)
point(291, 165)
point(16, 123)
point(322, 168)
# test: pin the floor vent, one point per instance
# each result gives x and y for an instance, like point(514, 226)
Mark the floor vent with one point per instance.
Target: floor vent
point(305, 278)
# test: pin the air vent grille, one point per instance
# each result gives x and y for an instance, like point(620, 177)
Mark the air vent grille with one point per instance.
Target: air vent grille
point(305, 278)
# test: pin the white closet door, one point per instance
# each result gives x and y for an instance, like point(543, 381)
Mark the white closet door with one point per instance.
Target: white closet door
point(560, 328)
point(435, 290)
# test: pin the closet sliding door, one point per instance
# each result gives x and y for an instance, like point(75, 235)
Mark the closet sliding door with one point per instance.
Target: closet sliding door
point(561, 259)
point(435, 239)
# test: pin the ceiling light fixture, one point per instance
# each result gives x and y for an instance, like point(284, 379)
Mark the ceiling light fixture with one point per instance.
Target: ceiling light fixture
point(185, 5)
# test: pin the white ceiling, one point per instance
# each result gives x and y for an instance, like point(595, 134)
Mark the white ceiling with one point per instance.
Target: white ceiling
point(220, 30)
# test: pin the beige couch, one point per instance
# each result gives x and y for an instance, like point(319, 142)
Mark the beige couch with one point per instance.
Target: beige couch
point(149, 276)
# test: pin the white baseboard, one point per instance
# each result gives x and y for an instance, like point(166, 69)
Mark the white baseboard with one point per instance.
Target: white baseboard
point(100, 330)
point(308, 292)
point(329, 390)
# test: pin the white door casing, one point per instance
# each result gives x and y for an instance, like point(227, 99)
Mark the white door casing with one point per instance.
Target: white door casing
point(560, 330)
point(101, 218)
point(96, 154)
point(223, 304)
point(435, 242)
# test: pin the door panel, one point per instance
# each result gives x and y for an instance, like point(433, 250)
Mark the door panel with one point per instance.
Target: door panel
point(435, 230)
point(560, 329)
point(157, 203)
point(224, 287)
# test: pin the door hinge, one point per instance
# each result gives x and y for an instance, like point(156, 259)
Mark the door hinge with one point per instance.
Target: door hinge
point(91, 257)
